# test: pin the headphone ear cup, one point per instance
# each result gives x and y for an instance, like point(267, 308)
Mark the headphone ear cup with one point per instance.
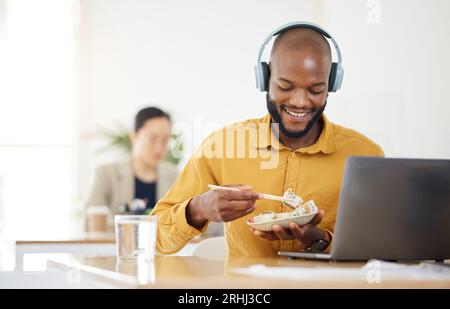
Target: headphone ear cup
point(332, 78)
point(339, 77)
point(265, 76)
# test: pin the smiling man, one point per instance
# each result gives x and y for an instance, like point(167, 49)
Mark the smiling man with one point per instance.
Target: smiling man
point(310, 153)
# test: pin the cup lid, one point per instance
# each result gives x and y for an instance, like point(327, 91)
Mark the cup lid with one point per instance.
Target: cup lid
point(98, 209)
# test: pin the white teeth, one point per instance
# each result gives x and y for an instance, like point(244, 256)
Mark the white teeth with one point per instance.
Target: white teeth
point(296, 114)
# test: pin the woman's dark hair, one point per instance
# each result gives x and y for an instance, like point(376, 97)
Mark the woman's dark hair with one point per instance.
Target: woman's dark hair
point(146, 114)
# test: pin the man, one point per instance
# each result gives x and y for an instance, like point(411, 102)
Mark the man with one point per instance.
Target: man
point(310, 154)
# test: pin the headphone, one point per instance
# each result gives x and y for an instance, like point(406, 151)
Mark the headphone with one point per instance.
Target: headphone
point(262, 72)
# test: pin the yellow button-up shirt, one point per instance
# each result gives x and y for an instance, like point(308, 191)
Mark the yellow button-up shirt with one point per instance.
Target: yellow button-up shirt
point(256, 158)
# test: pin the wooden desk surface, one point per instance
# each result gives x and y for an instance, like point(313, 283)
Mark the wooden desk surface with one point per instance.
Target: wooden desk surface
point(196, 272)
point(83, 238)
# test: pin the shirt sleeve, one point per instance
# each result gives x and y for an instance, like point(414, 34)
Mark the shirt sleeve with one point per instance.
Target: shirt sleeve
point(174, 230)
point(380, 152)
point(328, 249)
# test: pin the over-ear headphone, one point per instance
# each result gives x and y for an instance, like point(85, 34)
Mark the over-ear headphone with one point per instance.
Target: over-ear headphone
point(262, 73)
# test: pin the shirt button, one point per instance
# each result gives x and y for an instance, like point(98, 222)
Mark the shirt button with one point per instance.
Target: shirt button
point(293, 154)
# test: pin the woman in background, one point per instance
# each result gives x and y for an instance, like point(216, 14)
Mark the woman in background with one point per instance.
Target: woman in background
point(143, 179)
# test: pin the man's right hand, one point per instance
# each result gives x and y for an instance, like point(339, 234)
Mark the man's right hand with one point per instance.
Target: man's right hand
point(221, 205)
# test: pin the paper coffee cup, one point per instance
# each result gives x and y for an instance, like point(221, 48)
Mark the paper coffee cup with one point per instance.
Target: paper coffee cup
point(97, 218)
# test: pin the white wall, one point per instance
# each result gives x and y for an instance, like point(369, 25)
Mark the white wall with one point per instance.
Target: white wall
point(195, 58)
point(396, 74)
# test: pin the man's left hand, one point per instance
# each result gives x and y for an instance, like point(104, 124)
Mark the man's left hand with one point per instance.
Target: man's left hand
point(306, 234)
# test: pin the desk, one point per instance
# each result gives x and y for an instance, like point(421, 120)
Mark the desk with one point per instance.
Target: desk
point(85, 244)
point(85, 238)
point(23, 262)
point(196, 272)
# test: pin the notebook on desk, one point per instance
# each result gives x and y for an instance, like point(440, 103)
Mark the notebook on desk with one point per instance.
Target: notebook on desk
point(391, 209)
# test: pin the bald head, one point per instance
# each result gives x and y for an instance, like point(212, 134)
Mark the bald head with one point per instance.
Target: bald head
point(302, 39)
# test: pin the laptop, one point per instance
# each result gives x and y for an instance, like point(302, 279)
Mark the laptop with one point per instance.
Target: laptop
point(391, 209)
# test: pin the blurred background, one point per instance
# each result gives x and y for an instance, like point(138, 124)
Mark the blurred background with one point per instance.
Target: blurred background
point(71, 70)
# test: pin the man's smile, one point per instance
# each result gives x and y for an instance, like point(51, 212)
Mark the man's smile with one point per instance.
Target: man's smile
point(296, 116)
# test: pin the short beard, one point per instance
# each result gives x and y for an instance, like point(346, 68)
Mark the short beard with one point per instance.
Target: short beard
point(276, 118)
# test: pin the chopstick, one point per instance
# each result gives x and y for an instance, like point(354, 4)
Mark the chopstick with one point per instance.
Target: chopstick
point(288, 201)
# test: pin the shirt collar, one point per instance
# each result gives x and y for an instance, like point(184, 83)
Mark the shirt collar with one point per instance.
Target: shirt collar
point(326, 142)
